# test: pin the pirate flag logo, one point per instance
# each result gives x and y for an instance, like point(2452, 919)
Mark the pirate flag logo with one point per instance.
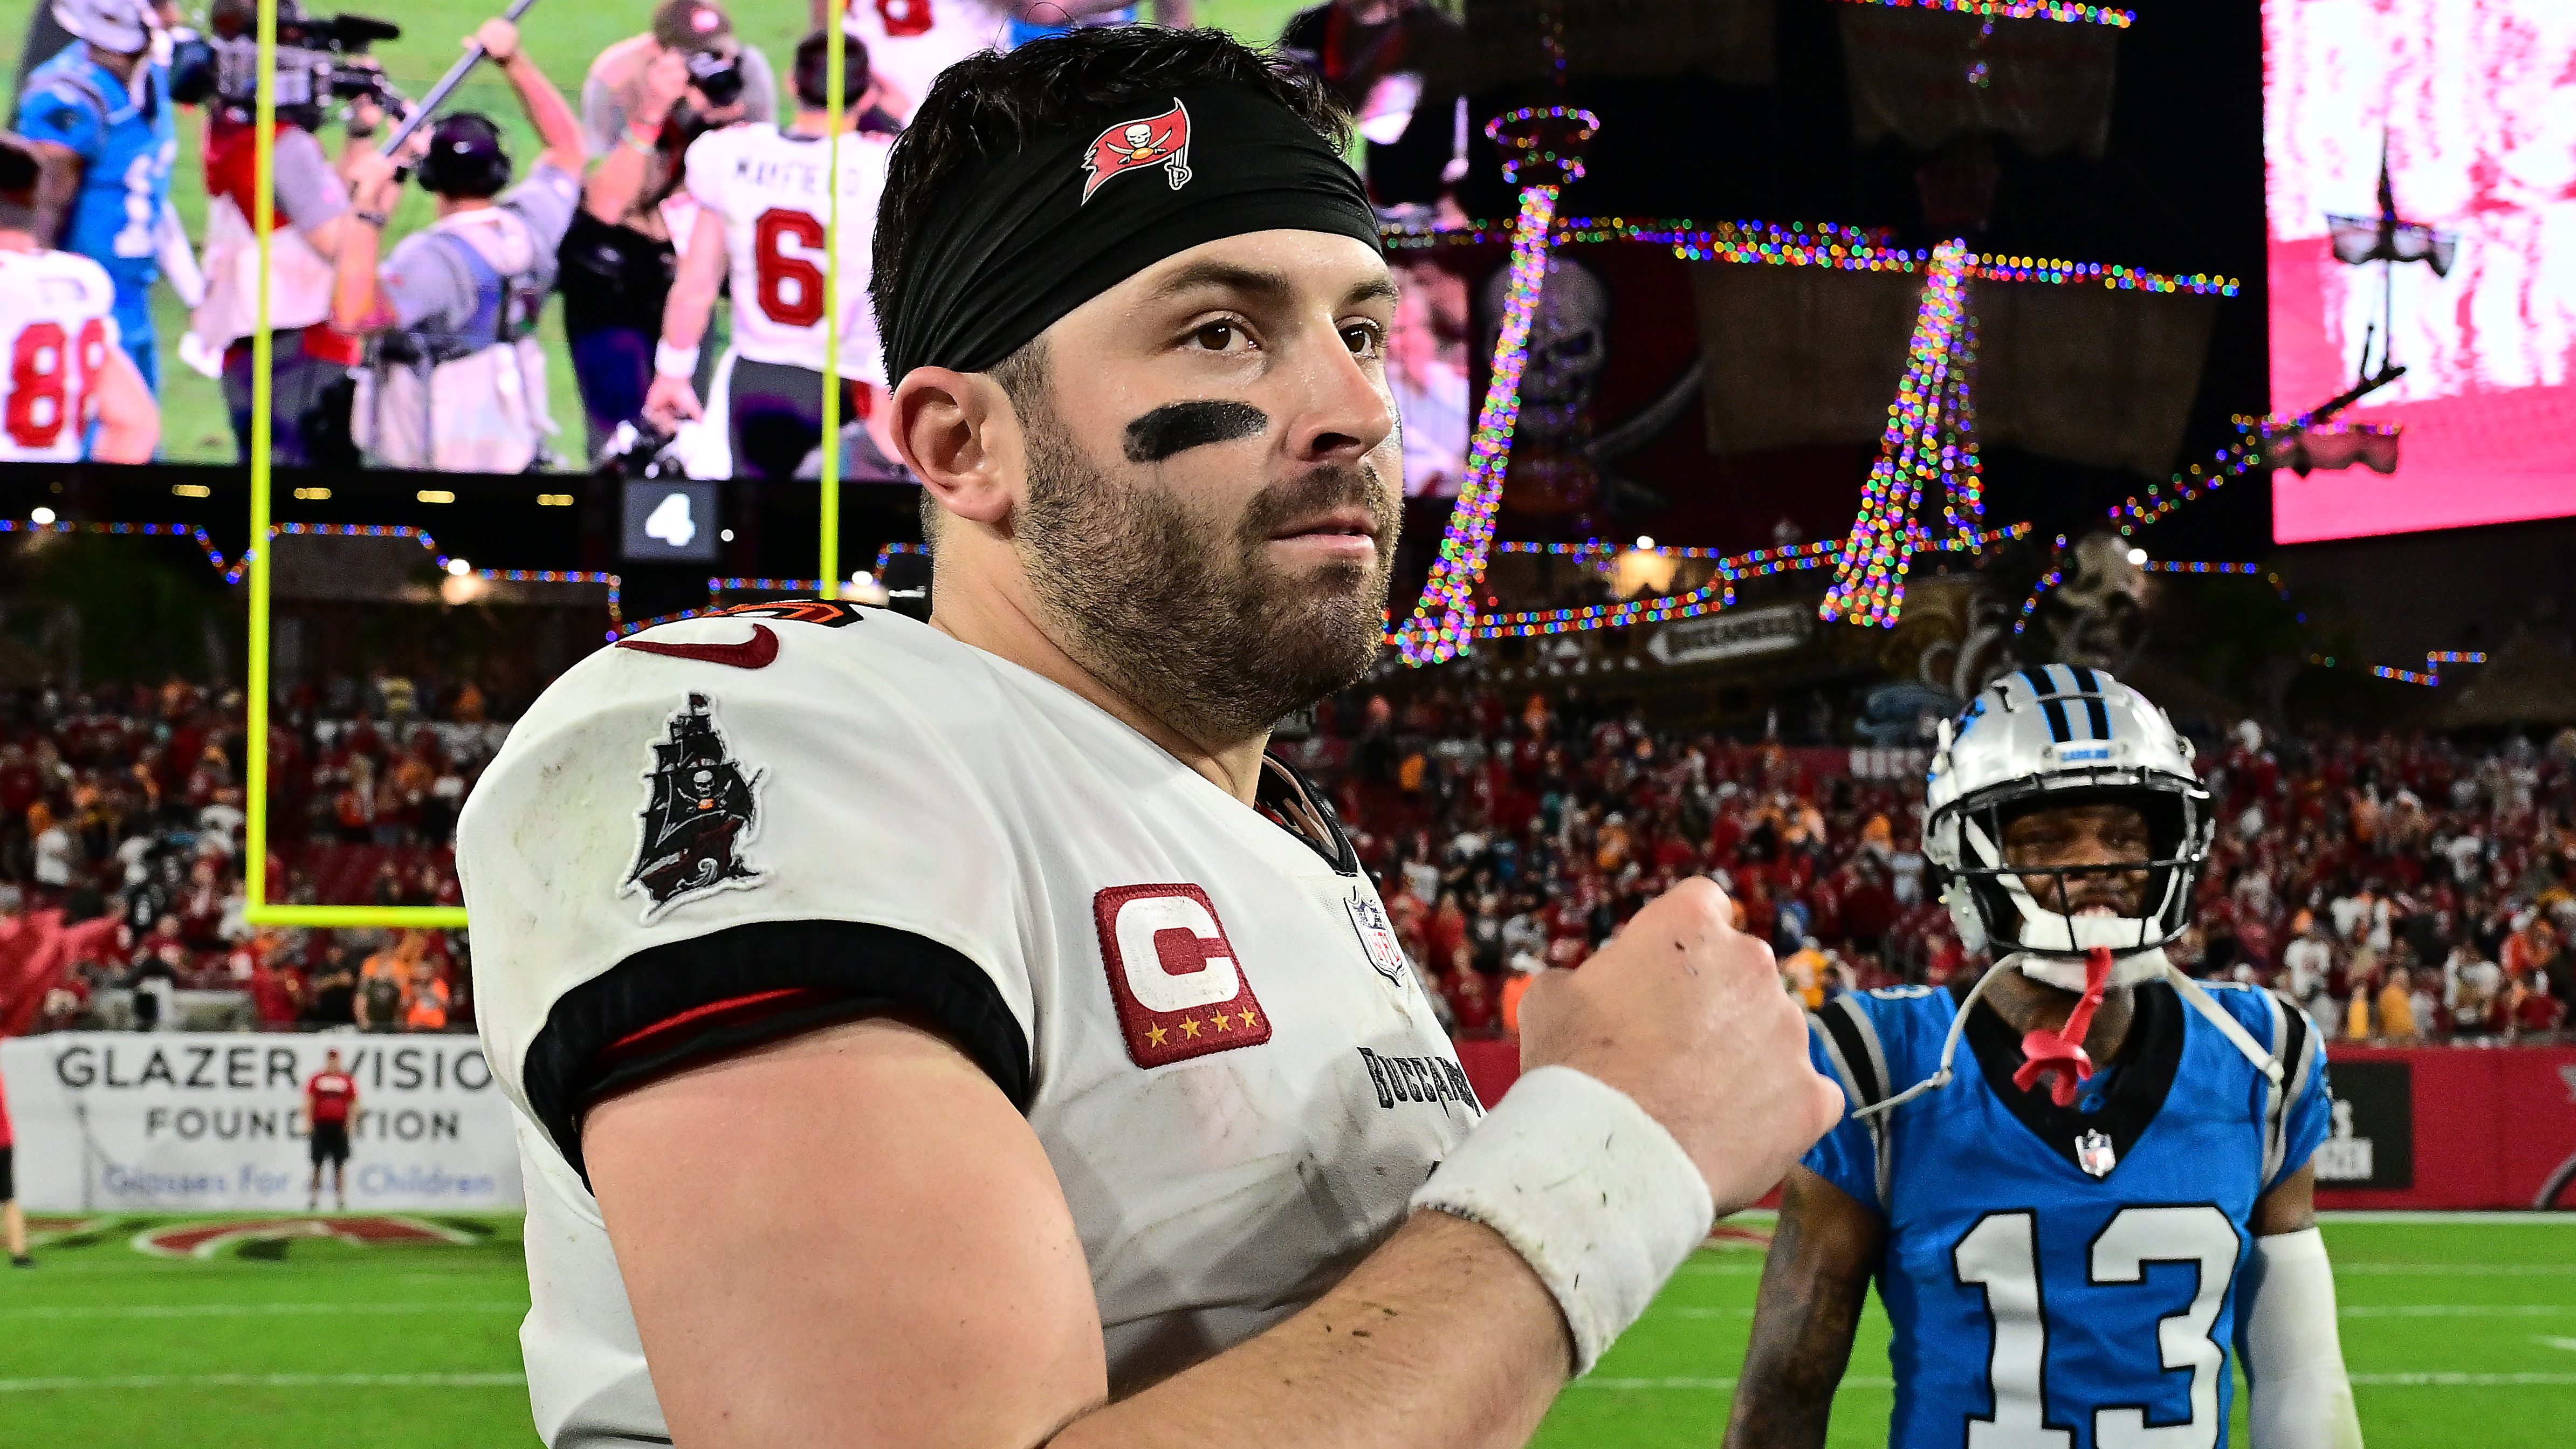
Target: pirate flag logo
point(1162, 140)
point(700, 813)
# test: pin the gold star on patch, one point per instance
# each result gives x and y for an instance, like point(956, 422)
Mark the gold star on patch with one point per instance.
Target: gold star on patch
point(1247, 1018)
point(1224, 1022)
point(1189, 1026)
point(1154, 1035)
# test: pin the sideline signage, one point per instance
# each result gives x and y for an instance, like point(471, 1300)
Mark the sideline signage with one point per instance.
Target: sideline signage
point(214, 1121)
point(1729, 634)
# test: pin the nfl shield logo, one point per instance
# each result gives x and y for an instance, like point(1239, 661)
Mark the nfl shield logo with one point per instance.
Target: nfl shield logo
point(2093, 1153)
point(1377, 935)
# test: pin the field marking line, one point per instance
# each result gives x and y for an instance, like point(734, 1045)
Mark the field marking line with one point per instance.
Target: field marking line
point(2454, 1310)
point(2464, 1270)
point(252, 1310)
point(2418, 1217)
point(2374, 1381)
point(2555, 1341)
point(269, 1381)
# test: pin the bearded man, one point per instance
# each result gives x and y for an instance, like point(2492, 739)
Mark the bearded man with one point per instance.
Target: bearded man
point(983, 1041)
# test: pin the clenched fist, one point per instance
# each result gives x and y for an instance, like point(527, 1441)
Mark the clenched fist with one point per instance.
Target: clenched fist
point(1685, 1014)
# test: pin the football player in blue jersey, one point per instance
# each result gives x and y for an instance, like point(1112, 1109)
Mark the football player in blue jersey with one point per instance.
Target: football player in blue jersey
point(99, 117)
point(2072, 1230)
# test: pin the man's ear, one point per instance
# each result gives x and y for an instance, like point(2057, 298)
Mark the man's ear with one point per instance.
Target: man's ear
point(959, 435)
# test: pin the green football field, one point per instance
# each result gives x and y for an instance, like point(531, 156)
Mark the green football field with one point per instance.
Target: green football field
point(2457, 1330)
point(563, 36)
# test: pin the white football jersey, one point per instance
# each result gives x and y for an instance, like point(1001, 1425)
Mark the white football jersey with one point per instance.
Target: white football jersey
point(769, 188)
point(1207, 1022)
point(911, 41)
point(57, 325)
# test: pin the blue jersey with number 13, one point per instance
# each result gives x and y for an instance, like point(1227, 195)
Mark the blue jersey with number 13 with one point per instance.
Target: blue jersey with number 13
point(2065, 1278)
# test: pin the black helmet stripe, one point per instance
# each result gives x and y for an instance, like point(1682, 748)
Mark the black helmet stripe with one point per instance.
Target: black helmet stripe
point(2046, 692)
point(2094, 712)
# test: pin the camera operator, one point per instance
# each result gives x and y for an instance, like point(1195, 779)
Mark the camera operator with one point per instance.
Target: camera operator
point(645, 99)
point(98, 116)
point(317, 60)
point(456, 382)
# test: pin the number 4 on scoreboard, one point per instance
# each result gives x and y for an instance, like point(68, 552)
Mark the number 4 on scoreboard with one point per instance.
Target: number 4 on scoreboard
point(2000, 1255)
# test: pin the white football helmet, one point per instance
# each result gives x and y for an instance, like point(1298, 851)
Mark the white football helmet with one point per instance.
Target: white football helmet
point(2051, 736)
point(122, 26)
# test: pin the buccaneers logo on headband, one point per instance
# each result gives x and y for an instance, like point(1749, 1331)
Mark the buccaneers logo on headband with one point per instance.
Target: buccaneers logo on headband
point(1138, 145)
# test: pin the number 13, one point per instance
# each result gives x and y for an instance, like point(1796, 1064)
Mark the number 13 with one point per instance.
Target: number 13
point(2000, 1256)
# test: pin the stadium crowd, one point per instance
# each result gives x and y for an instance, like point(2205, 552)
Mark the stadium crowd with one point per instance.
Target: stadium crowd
point(121, 809)
point(2400, 888)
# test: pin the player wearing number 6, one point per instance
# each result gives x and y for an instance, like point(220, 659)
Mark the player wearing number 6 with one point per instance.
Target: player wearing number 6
point(58, 324)
point(763, 198)
point(2071, 1233)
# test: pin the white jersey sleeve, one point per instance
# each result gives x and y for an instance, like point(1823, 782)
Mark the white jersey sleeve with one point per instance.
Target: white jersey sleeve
point(725, 831)
point(57, 331)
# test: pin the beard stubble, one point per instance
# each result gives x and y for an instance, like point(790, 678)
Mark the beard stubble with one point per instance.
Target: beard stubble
point(1188, 619)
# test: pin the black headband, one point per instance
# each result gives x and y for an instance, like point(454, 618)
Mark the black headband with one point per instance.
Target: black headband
point(1006, 249)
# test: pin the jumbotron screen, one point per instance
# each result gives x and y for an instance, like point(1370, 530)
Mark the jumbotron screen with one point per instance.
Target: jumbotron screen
point(2476, 103)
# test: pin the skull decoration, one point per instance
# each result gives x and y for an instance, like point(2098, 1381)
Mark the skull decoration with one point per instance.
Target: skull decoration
point(1140, 137)
point(2095, 616)
point(1569, 342)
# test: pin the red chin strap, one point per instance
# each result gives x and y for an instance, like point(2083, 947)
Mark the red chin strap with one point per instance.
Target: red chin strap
point(2059, 1055)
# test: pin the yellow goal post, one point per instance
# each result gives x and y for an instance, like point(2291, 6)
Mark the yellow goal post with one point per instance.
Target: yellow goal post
point(258, 909)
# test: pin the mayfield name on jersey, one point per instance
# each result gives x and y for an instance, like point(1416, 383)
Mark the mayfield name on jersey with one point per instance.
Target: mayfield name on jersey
point(771, 190)
point(796, 807)
point(57, 323)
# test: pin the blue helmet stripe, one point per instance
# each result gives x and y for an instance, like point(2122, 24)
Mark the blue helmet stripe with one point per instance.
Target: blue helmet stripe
point(2095, 713)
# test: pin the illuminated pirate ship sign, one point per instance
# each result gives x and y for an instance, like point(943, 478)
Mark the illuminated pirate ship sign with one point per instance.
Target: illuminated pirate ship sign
point(2389, 240)
point(701, 811)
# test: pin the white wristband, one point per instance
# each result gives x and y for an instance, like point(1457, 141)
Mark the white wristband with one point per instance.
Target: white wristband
point(672, 361)
point(1594, 1194)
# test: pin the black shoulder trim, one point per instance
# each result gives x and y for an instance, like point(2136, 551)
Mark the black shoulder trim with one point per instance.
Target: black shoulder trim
point(865, 969)
point(1283, 784)
point(2145, 1071)
point(1849, 1039)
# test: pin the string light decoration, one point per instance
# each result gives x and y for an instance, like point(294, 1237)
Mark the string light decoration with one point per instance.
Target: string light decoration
point(1929, 443)
point(2058, 10)
point(1816, 244)
point(204, 540)
point(1544, 147)
point(1719, 593)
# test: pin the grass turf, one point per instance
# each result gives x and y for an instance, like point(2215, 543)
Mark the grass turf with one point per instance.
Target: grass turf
point(562, 37)
point(2447, 1324)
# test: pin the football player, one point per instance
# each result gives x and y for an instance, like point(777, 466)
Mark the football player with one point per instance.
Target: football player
point(99, 116)
point(763, 195)
point(964, 1033)
point(69, 391)
point(2071, 1229)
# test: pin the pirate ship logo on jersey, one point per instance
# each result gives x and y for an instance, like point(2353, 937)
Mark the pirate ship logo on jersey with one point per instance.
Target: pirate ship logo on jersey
point(701, 811)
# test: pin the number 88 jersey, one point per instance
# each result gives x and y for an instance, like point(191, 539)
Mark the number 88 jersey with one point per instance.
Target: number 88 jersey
point(769, 189)
point(2066, 1278)
point(57, 325)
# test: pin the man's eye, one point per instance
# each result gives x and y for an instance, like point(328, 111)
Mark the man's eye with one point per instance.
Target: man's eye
point(1217, 336)
point(1365, 339)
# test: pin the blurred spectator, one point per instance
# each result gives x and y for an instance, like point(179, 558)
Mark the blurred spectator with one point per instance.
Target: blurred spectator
point(310, 362)
point(2397, 1008)
point(645, 99)
point(425, 1002)
point(332, 989)
point(455, 380)
point(1393, 64)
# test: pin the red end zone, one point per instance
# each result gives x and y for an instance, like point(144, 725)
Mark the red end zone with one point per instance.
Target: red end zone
point(205, 1240)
